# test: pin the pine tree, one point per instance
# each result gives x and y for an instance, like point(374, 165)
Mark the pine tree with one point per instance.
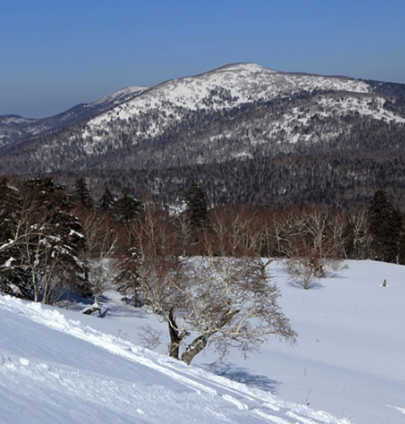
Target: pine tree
point(10, 206)
point(196, 205)
point(82, 194)
point(194, 220)
point(46, 251)
point(12, 279)
point(128, 281)
point(385, 227)
point(126, 208)
point(106, 201)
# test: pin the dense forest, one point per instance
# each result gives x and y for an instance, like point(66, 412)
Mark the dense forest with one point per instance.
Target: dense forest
point(324, 180)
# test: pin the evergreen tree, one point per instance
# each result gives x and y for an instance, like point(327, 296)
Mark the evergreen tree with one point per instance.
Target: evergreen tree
point(12, 280)
point(128, 280)
point(46, 250)
point(194, 220)
point(82, 194)
point(106, 201)
point(10, 206)
point(126, 208)
point(386, 228)
point(196, 205)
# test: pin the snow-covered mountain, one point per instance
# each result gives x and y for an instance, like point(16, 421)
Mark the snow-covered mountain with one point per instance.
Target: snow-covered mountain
point(241, 113)
point(230, 89)
point(15, 129)
point(256, 112)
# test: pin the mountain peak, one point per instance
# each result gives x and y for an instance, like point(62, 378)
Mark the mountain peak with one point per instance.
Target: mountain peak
point(245, 66)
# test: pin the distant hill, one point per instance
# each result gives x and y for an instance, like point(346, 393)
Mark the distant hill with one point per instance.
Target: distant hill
point(248, 133)
point(16, 129)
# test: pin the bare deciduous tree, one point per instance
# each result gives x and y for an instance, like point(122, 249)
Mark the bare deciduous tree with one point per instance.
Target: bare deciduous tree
point(218, 300)
point(229, 304)
point(311, 239)
point(102, 257)
point(357, 239)
point(239, 231)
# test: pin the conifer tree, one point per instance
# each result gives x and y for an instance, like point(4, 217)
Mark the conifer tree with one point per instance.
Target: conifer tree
point(46, 243)
point(10, 206)
point(82, 194)
point(126, 208)
point(12, 280)
point(386, 228)
point(196, 205)
point(106, 201)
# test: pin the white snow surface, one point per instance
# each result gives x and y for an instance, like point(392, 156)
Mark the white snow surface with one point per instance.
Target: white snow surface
point(246, 82)
point(363, 106)
point(222, 88)
point(59, 366)
point(120, 94)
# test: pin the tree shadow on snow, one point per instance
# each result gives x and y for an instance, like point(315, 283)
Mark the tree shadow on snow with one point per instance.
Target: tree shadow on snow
point(243, 375)
point(316, 285)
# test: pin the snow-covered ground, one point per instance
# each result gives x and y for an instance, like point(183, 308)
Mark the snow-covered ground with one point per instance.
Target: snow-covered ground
point(60, 366)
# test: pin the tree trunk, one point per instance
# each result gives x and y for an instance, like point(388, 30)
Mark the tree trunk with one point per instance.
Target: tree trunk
point(175, 337)
point(199, 343)
point(35, 286)
point(196, 346)
point(46, 299)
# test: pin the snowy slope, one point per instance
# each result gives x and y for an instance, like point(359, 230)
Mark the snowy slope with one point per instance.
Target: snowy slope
point(54, 367)
point(349, 359)
point(244, 83)
point(57, 370)
point(203, 113)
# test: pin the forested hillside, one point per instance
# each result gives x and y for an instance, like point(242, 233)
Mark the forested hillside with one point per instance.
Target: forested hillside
point(248, 134)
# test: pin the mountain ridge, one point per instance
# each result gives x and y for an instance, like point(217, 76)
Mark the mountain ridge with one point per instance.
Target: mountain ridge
point(13, 128)
point(237, 112)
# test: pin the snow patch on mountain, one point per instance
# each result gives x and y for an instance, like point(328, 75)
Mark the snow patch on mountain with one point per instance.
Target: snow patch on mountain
point(373, 107)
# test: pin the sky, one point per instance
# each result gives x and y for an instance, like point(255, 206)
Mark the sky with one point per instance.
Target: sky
point(55, 54)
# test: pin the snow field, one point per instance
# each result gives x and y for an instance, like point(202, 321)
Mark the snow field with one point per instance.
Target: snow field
point(55, 369)
point(57, 365)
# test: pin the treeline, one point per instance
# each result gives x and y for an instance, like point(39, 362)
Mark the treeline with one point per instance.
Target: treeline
point(52, 237)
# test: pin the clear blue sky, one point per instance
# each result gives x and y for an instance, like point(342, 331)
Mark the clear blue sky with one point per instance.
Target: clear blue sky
point(55, 54)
